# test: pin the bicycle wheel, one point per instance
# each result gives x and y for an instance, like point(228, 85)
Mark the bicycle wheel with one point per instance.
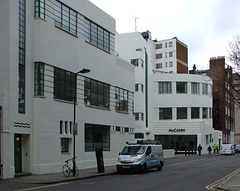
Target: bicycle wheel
point(66, 170)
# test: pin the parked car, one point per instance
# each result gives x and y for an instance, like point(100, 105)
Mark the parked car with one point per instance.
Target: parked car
point(237, 149)
point(227, 149)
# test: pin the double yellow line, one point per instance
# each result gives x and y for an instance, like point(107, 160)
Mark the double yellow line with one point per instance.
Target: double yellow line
point(42, 187)
point(218, 182)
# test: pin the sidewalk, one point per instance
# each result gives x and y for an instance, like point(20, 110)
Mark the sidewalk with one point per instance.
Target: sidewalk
point(59, 177)
point(233, 184)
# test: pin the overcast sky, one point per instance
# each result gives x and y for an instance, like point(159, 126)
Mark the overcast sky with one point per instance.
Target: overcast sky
point(206, 26)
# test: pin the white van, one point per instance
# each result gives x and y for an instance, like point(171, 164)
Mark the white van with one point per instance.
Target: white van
point(140, 157)
point(227, 149)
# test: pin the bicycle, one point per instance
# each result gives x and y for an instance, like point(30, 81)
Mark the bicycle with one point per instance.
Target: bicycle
point(68, 168)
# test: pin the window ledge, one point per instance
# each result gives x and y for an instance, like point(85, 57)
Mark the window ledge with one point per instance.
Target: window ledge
point(66, 31)
point(65, 153)
point(122, 112)
point(96, 107)
point(40, 18)
point(69, 136)
point(64, 101)
point(98, 47)
point(43, 97)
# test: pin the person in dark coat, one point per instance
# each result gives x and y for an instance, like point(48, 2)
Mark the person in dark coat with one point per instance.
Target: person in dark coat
point(199, 149)
point(209, 149)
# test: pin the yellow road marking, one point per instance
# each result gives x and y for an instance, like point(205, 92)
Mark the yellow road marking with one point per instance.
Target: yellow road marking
point(41, 187)
point(218, 182)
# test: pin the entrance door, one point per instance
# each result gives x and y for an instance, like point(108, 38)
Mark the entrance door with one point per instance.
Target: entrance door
point(18, 153)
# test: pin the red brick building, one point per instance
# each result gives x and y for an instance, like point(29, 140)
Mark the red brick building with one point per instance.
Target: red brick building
point(223, 101)
point(182, 57)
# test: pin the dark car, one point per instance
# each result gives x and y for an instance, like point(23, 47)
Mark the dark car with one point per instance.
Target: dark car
point(237, 149)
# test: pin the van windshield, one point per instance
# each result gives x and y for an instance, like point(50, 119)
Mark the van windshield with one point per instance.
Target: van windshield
point(133, 150)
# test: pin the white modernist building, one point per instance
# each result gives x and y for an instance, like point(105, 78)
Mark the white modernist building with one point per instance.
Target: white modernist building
point(44, 43)
point(182, 106)
point(176, 106)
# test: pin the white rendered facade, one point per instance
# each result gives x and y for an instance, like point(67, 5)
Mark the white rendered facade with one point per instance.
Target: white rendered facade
point(198, 129)
point(191, 111)
point(133, 48)
point(55, 49)
point(166, 49)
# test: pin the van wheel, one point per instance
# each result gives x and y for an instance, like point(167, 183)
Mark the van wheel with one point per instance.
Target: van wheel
point(144, 168)
point(160, 167)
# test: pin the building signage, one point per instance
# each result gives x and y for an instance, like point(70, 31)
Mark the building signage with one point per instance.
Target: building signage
point(75, 128)
point(176, 130)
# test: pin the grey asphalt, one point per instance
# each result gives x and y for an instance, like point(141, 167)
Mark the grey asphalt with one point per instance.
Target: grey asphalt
point(231, 183)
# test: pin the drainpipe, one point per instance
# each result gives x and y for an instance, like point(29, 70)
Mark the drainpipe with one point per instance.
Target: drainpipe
point(146, 86)
point(1, 165)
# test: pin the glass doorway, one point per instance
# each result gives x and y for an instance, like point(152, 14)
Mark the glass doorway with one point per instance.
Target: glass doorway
point(178, 142)
point(18, 153)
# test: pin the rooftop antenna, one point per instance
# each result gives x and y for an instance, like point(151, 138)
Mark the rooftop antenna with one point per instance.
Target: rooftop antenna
point(135, 18)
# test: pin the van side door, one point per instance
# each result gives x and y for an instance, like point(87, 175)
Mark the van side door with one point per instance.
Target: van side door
point(149, 156)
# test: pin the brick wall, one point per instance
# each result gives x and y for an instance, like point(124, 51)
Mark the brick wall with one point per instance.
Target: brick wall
point(181, 68)
point(182, 55)
point(223, 105)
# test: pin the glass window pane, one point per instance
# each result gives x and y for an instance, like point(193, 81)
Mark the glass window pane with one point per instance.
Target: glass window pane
point(65, 17)
point(87, 30)
point(165, 113)
point(165, 87)
point(205, 113)
point(181, 87)
point(97, 136)
point(195, 112)
point(181, 113)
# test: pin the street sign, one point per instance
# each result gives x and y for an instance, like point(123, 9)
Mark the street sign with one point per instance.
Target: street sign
point(75, 129)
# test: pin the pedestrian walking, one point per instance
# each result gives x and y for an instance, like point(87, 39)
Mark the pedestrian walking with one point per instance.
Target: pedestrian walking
point(217, 147)
point(214, 148)
point(199, 149)
point(209, 149)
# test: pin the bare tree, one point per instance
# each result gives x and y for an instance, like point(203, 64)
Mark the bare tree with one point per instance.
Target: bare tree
point(234, 52)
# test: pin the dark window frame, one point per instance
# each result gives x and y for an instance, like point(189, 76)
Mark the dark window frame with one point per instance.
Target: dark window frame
point(21, 56)
point(118, 129)
point(181, 87)
point(159, 46)
point(195, 113)
point(165, 113)
point(65, 17)
point(96, 93)
point(65, 145)
point(39, 79)
point(64, 84)
point(97, 136)
point(96, 35)
point(182, 113)
point(139, 135)
point(205, 89)
point(195, 87)
point(205, 113)
point(39, 10)
point(165, 87)
point(121, 100)
point(159, 56)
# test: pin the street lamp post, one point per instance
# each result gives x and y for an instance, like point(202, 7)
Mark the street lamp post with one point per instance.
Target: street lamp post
point(83, 71)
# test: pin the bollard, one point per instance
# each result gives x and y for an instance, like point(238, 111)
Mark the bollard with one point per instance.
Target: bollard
point(99, 156)
point(1, 171)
